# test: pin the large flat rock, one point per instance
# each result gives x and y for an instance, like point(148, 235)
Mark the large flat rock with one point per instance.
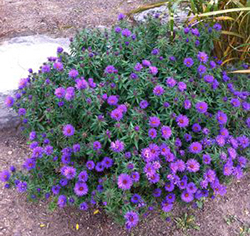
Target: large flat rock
point(16, 57)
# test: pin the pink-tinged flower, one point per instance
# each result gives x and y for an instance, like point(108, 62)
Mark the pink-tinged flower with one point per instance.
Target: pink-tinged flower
point(202, 57)
point(201, 107)
point(68, 130)
point(153, 70)
point(187, 104)
point(224, 132)
point(126, 33)
point(171, 82)
point(81, 84)
point(181, 166)
point(22, 83)
point(182, 121)
point(155, 178)
point(124, 181)
point(117, 146)
point(221, 117)
point(68, 171)
point(138, 67)
point(186, 196)
point(166, 132)
point(220, 140)
point(154, 121)
point(192, 165)
point(123, 108)
point(158, 90)
point(166, 206)
point(182, 86)
point(149, 169)
point(73, 73)
point(81, 189)
point(58, 66)
point(112, 100)
point(188, 61)
point(146, 63)
point(70, 93)
point(9, 101)
point(152, 133)
point(116, 114)
point(232, 152)
point(60, 92)
point(210, 176)
point(132, 219)
point(195, 147)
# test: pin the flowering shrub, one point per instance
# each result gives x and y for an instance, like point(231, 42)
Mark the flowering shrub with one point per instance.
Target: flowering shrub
point(130, 121)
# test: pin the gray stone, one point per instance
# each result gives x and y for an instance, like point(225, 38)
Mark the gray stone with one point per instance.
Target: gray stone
point(16, 56)
point(162, 12)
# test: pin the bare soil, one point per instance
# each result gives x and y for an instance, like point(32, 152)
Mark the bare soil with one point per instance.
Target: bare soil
point(59, 18)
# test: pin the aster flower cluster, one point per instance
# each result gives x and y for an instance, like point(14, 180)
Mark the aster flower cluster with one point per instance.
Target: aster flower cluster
point(130, 124)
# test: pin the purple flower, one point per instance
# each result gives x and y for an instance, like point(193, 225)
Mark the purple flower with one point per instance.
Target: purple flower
point(152, 133)
point(166, 132)
point(81, 188)
point(63, 182)
point(154, 121)
point(83, 176)
point(221, 117)
point(68, 130)
point(146, 63)
point(99, 167)
point(206, 159)
point(22, 111)
point(135, 198)
point(97, 145)
point(143, 104)
point(112, 100)
point(116, 114)
point(193, 165)
point(135, 176)
point(158, 90)
point(124, 181)
point(182, 121)
point(121, 16)
point(157, 192)
point(188, 61)
point(60, 92)
point(70, 93)
point(153, 70)
point(209, 79)
point(196, 128)
point(118, 29)
point(4, 175)
point(131, 218)
point(68, 171)
point(37, 152)
point(30, 164)
point(202, 57)
point(110, 69)
point(201, 69)
point(195, 32)
point(191, 188)
point(22, 186)
point(187, 197)
point(83, 206)
point(9, 101)
point(182, 86)
point(169, 186)
point(46, 69)
point(187, 104)
point(138, 67)
point(81, 84)
point(73, 73)
point(62, 201)
point(201, 107)
point(217, 27)
point(235, 102)
point(166, 206)
point(170, 197)
point(58, 66)
point(126, 33)
point(171, 82)
point(117, 146)
point(90, 165)
point(56, 189)
point(107, 162)
point(195, 147)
